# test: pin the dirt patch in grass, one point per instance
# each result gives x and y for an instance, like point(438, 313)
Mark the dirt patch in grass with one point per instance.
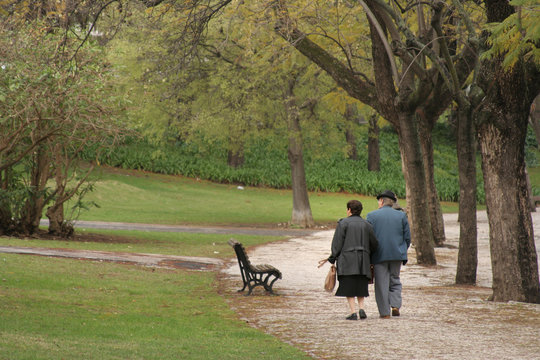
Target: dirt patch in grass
point(89, 237)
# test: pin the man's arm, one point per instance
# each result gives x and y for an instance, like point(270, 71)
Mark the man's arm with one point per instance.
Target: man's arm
point(406, 231)
point(373, 242)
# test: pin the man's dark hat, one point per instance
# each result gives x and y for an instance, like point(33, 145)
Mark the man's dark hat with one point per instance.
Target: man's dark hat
point(388, 194)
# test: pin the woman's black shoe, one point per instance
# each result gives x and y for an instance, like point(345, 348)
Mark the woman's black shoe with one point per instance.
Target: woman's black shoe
point(362, 314)
point(353, 316)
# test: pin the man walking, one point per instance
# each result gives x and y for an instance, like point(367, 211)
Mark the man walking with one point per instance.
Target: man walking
point(392, 231)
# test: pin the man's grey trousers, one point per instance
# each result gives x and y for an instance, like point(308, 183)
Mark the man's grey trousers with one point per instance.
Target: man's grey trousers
point(387, 286)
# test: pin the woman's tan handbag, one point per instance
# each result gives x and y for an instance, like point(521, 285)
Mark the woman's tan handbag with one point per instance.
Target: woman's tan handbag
point(330, 281)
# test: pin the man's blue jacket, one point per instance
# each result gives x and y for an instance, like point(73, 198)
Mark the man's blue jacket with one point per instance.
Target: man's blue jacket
point(392, 231)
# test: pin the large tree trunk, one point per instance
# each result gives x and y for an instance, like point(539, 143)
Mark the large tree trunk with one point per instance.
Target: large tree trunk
point(425, 128)
point(509, 94)
point(513, 252)
point(466, 153)
point(417, 206)
point(301, 213)
point(374, 155)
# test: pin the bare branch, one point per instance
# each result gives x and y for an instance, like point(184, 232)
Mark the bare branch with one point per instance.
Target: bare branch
point(89, 32)
point(383, 38)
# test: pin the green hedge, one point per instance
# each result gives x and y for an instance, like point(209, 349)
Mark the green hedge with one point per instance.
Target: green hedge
point(268, 166)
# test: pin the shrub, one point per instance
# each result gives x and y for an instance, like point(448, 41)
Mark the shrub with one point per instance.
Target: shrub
point(267, 165)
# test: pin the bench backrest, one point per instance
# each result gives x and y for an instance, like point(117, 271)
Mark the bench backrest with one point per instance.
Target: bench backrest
point(241, 254)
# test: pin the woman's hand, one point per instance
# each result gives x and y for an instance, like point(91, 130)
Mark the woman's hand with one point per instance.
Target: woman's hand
point(322, 262)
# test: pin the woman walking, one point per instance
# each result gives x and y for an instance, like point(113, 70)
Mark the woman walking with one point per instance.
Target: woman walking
point(352, 245)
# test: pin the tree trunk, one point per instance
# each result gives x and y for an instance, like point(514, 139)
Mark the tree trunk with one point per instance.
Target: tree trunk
point(64, 164)
point(509, 94)
point(466, 152)
point(417, 208)
point(301, 213)
point(513, 252)
point(425, 128)
point(351, 141)
point(55, 213)
point(33, 207)
point(6, 217)
point(374, 155)
point(235, 158)
point(349, 132)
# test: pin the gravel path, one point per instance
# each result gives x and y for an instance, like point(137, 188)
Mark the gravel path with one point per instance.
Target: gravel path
point(439, 320)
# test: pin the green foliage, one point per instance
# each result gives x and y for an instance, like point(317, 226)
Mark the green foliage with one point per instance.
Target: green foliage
point(534, 174)
point(517, 36)
point(266, 165)
point(55, 99)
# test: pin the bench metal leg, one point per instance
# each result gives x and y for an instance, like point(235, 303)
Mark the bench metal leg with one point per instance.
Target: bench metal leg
point(258, 280)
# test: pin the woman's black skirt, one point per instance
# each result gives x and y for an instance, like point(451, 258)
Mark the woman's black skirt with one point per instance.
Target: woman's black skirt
point(352, 286)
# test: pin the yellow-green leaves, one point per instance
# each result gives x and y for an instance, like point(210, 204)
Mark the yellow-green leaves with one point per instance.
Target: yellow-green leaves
point(518, 36)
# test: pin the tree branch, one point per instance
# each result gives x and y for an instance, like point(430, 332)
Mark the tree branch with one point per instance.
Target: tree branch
point(89, 32)
point(404, 29)
point(343, 76)
point(384, 40)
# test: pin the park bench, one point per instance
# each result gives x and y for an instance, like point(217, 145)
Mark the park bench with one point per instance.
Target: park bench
point(254, 275)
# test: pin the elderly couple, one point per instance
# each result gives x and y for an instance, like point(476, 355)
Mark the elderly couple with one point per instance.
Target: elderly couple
point(382, 240)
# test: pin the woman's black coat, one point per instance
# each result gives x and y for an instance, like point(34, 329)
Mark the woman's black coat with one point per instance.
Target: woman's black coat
point(352, 245)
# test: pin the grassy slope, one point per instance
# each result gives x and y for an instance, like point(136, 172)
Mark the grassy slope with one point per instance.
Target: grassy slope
point(132, 196)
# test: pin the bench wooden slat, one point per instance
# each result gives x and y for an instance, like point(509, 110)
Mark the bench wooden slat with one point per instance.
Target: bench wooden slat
point(264, 267)
point(254, 275)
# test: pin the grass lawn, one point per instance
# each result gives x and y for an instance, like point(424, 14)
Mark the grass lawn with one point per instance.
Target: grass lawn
point(132, 196)
point(54, 308)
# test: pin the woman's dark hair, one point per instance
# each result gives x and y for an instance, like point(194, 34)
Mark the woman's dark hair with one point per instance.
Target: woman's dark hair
point(355, 206)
